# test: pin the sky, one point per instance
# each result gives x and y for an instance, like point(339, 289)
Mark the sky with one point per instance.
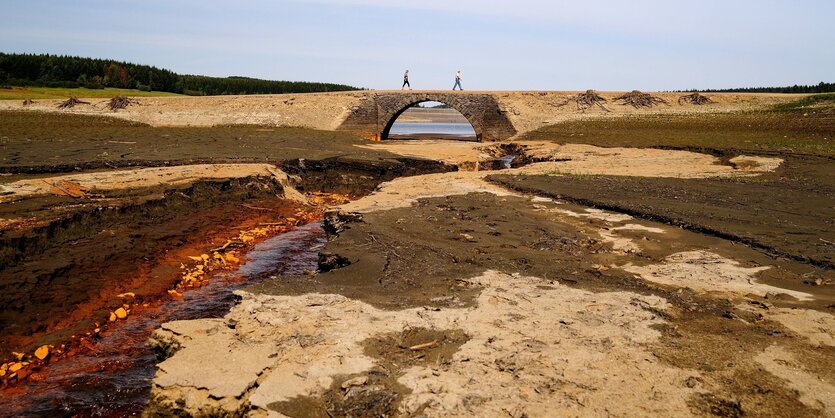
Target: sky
point(498, 44)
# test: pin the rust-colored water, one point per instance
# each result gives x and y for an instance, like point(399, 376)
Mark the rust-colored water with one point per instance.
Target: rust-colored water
point(115, 378)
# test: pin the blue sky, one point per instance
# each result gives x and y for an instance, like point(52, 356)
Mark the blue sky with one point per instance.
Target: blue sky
point(498, 44)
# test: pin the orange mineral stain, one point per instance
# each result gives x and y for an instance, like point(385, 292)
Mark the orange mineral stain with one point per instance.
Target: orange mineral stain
point(42, 352)
point(121, 313)
point(197, 263)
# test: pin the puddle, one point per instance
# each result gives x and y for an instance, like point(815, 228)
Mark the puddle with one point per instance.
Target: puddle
point(507, 160)
point(507, 156)
point(115, 379)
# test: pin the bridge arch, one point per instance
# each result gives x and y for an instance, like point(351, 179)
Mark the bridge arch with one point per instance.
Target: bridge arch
point(373, 116)
point(391, 117)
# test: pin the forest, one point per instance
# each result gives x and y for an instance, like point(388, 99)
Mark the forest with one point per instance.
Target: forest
point(46, 70)
point(815, 88)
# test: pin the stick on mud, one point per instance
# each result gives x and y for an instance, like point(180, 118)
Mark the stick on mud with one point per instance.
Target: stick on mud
point(424, 345)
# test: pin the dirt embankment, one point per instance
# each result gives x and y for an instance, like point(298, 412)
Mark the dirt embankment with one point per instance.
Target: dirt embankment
point(61, 273)
point(530, 111)
point(527, 110)
point(314, 110)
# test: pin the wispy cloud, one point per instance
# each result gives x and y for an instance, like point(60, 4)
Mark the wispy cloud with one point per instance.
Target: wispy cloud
point(648, 44)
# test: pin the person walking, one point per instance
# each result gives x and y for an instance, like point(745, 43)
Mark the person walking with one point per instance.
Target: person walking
point(406, 81)
point(457, 81)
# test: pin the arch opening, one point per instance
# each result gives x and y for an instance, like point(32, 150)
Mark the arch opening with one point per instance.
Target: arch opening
point(428, 119)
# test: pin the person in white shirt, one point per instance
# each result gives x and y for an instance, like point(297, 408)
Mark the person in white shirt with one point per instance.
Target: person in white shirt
point(406, 81)
point(458, 81)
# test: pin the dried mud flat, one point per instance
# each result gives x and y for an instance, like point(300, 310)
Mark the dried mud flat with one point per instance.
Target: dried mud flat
point(100, 221)
point(448, 295)
point(583, 281)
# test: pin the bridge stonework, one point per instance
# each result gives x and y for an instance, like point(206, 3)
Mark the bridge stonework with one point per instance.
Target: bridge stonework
point(373, 117)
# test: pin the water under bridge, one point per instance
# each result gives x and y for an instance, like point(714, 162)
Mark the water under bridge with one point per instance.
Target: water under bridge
point(374, 116)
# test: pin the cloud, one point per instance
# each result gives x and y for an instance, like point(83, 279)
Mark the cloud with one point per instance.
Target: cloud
point(500, 44)
point(738, 21)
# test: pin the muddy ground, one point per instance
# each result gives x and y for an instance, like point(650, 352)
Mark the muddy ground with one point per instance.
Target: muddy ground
point(79, 231)
point(413, 256)
point(32, 142)
point(435, 264)
point(64, 277)
point(468, 293)
point(807, 130)
point(539, 301)
point(789, 213)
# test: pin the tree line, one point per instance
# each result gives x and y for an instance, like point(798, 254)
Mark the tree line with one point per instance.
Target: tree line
point(46, 70)
point(815, 88)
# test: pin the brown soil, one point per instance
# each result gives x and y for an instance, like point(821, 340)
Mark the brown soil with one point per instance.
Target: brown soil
point(719, 348)
point(789, 213)
point(376, 396)
point(377, 393)
point(32, 142)
point(804, 131)
point(64, 276)
point(448, 295)
point(413, 256)
point(86, 247)
point(415, 346)
point(355, 175)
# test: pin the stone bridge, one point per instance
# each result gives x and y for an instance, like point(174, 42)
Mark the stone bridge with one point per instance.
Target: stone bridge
point(373, 116)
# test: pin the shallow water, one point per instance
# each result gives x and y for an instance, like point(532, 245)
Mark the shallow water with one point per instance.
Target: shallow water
point(115, 379)
point(402, 130)
point(507, 160)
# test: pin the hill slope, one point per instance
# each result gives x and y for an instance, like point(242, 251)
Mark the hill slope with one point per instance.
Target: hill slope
point(45, 70)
